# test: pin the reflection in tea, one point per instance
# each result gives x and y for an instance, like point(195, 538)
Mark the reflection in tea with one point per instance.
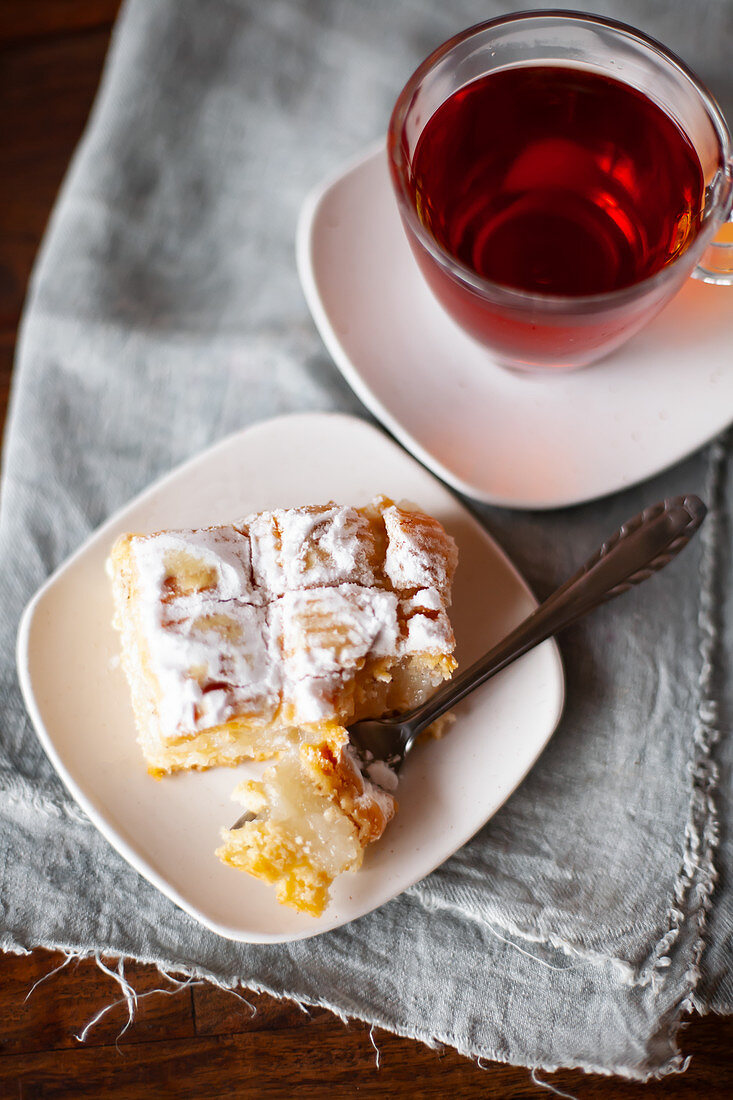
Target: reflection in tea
point(557, 180)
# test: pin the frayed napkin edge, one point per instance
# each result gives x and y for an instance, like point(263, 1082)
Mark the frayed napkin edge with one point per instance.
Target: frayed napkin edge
point(677, 1063)
point(693, 886)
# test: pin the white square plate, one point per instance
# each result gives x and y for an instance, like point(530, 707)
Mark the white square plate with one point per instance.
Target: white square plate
point(539, 440)
point(168, 829)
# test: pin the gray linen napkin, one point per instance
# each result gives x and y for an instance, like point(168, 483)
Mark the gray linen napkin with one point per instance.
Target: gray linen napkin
point(165, 312)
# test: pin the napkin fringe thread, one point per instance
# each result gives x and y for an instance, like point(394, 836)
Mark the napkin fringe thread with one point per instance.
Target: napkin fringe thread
point(194, 975)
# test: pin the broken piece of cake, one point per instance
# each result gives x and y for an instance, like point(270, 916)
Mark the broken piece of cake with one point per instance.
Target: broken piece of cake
point(312, 815)
point(266, 638)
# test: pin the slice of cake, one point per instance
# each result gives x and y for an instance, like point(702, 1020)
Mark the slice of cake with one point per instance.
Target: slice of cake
point(236, 638)
point(312, 815)
point(266, 638)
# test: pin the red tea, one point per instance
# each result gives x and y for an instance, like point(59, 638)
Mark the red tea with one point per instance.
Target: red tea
point(557, 180)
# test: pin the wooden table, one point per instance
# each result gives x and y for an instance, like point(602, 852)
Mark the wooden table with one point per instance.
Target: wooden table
point(199, 1042)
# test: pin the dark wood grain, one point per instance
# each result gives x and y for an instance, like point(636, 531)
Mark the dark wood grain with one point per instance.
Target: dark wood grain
point(199, 1042)
point(51, 1015)
point(203, 1042)
point(47, 87)
point(22, 20)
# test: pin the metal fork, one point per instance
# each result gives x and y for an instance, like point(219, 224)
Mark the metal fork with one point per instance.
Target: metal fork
point(641, 547)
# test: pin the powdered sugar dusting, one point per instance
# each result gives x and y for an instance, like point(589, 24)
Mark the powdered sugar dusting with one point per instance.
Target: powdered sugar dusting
point(419, 552)
point(308, 547)
point(222, 549)
point(378, 779)
point(380, 773)
point(285, 607)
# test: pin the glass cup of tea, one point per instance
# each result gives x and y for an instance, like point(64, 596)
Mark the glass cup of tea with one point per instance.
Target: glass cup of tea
point(559, 177)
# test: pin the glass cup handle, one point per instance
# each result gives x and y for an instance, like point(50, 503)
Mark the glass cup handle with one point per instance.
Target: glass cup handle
point(716, 262)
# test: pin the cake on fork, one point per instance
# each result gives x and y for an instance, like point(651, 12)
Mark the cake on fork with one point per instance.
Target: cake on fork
point(265, 639)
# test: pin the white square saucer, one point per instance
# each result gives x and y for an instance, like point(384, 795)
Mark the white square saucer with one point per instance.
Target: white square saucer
point(520, 440)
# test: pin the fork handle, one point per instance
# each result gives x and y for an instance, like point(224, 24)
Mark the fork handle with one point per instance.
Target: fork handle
point(642, 546)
